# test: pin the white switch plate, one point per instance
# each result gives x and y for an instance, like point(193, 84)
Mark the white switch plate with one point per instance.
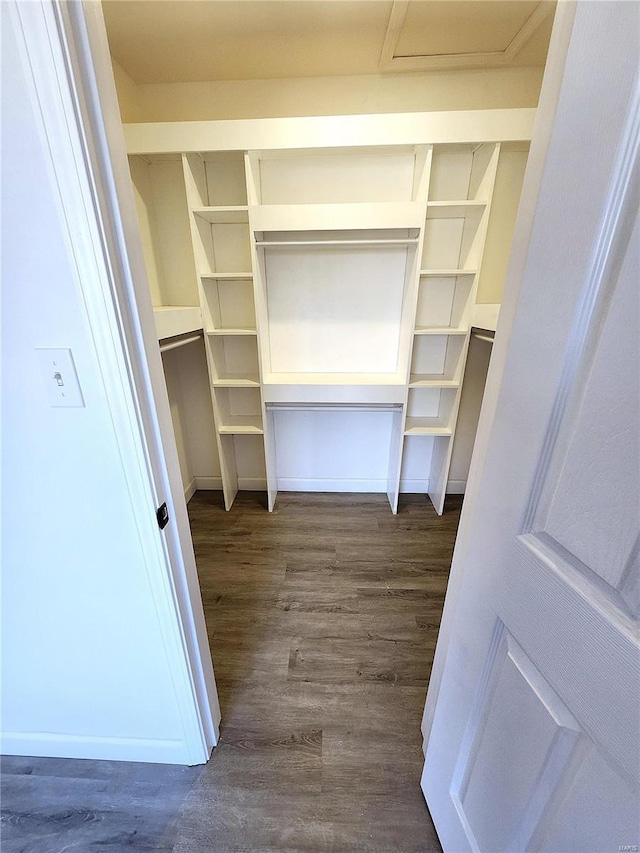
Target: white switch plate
point(60, 377)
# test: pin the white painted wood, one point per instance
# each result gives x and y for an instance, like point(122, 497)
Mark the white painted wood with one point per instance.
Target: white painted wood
point(62, 65)
point(176, 320)
point(337, 217)
point(486, 316)
point(531, 722)
point(331, 131)
point(336, 237)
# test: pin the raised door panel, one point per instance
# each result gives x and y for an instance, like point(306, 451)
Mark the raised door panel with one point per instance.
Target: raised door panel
point(594, 512)
point(516, 714)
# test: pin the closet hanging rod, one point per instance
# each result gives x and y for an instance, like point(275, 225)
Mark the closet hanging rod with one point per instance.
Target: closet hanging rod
point(480, 337)
point(335, 407)
point(183, 342)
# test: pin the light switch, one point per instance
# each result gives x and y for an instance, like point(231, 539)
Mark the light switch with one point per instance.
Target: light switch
point(60, 377)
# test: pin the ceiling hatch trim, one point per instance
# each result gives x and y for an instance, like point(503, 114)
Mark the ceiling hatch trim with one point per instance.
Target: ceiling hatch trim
point(454, 61)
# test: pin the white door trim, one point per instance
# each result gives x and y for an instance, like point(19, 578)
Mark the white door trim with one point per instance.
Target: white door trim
point(545, 116)
point(65, 52)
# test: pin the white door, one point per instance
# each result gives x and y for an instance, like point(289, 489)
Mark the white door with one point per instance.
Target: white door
point(533, 715)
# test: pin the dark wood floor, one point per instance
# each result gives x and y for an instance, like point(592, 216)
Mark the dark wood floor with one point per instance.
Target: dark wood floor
point(323, 619)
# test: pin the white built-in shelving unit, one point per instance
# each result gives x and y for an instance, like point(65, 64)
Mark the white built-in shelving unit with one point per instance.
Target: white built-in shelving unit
point(326, 277)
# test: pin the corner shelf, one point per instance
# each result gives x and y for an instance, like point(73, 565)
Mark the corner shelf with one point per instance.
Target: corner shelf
point(172, 320)
point(242, 425)
point(230, 381)
point(232, 332)
point(454, 209)
point(226, 276)
point(232, 215)
point(432, 380)
point(446, 273)
point(440, 330)
point(427, 426)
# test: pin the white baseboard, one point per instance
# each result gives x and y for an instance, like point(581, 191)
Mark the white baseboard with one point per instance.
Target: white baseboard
point(210, 484)
point(414, 487)
point(296, 484)
point(47, 745)
point(252, 484)
point(300, 484)
point(190, 489)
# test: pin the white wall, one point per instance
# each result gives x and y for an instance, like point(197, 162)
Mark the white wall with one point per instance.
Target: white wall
point(84, 667)
point(454, 90)
point(304, 96)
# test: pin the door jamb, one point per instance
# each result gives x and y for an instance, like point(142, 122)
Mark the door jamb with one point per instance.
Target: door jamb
point(66, 51)
point(541, 139)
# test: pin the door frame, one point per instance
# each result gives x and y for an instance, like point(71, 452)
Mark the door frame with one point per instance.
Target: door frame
point(65, 53)
point(540, 142)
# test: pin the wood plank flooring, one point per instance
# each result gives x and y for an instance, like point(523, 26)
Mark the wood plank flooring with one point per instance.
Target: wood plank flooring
point(322, 618)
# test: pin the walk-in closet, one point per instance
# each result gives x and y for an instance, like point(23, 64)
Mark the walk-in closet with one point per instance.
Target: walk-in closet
point(315, 305)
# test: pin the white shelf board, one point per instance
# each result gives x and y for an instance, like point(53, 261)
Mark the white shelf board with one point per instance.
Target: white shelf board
point(432, 380)
point(334, 388)
point(337, 217)
point(445, 273)
point(226, 276)
point(334, 379)
point(486, 316)
point(231, 332)
point(440, 330)
point(172, 320)
point(329, 244)
point(453, 209)
point(242, 425)
point(230, 381)
point(223, 215)
point(440, 127)
point(426, 426)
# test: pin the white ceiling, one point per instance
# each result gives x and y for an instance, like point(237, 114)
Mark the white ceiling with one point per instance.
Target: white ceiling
point(174, 41)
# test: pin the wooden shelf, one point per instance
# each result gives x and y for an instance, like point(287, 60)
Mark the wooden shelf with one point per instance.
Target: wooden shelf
point(233, 215)
point(231, 381)
point(440, 330)
point(337, 217)
point(242, 425)
point(227, 276)
point(232, 332)
point(453, 209)
point(426, 426)
point(445, 273)
point(172, 320)
point(432, 380)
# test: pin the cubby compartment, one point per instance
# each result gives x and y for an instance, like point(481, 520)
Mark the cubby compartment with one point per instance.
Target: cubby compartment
point(453, 242)
point(163, 215)
point(238, 411)
point(217, 194)
point(437, 361)
point(430, 411)
point(338, 176)
point(228, 305)
point(444, 303)
point(462, 173)
point(216, 180)
point(234, 360)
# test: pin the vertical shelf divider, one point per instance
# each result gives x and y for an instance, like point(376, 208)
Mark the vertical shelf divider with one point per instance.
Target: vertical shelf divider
point(484, 182)
point(252, 175)
point(421, 176)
